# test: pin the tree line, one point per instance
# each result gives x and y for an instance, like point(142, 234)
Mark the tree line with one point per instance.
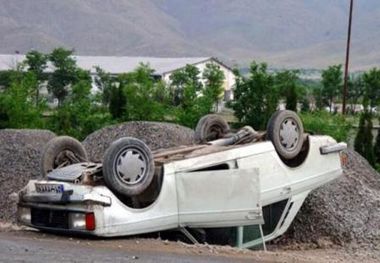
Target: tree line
point(258, 94)
point(136, 95)
point(189, 95)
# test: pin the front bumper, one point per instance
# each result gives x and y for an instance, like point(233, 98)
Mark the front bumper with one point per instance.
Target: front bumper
point(78, 209)
point(72, 194)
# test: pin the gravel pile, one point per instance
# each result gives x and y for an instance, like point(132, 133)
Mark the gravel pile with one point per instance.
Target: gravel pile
point(347, 211)
point(155, 134)
point(20, 152)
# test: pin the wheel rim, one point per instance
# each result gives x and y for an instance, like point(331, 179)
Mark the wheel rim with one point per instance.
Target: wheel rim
point(289, 134)
point(130, 166)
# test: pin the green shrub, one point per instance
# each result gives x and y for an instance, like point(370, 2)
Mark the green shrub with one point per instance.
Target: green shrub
point(17, 108)
point(376, 149)
point(256, 96)
point(325, 123)
point(364, 138)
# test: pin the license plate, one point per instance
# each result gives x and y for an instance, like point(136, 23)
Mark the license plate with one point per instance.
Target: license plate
point(49, 188)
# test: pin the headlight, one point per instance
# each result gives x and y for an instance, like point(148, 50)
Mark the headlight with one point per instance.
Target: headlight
point(82, 221)
point(24, 215)
point(77, 221)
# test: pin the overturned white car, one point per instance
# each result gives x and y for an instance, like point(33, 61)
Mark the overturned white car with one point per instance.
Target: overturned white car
point(228, 183)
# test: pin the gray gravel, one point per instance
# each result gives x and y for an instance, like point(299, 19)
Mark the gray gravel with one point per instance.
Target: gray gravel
point(20, 153)
point(155, 134)
point(347, 211)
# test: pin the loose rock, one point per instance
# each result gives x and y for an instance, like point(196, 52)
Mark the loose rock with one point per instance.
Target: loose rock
point(346, 211)
point(155, 134)
point(20, 154)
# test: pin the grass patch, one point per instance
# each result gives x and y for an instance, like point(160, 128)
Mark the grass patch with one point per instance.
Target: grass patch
point(325, 123)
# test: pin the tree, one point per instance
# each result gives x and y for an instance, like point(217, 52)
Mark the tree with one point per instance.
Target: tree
point(364, 138)
point(17, 109)
point(355, 91)
point(162, 93)
point(310, 94)
point(184, 85)
point(305, 96)
point(6, 77)
point(79, 115)
point(192, 100)
point(104, 82)
point(359, 139)
point(37, 63)
point(214, 79)
point(117, 102)
point(332, 83)
point(141, 91)
point(286, 82)
point(368, 150)
point(256, 97)
point(64, 74)
point(317, 94)
point(371, 97)
point(376, 147)
point(4, 118)
point(305, 104)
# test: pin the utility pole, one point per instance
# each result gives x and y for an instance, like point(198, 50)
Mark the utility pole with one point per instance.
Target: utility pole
point(345, 88)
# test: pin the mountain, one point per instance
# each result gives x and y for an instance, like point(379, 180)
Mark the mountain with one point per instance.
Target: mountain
point(285, 33)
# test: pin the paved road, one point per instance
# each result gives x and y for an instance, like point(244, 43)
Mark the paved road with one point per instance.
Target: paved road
point(30, 246)
point(37, 247)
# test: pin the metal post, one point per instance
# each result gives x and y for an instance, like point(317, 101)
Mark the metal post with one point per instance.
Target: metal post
point(262, 237)
point(188, 235)
point(345, 88)
point(240, 234)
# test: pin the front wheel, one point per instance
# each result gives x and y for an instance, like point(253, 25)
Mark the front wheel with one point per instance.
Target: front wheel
point(211, 127)
point(128, 166)
point(62, 151)
point(285, 130)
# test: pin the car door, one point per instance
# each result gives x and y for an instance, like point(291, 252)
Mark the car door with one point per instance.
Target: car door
point(219, 197)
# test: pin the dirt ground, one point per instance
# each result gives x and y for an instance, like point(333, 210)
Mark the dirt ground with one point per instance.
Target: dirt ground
point(25, 245)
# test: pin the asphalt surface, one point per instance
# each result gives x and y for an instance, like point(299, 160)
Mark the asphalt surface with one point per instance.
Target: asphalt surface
point(32, 246)
point(35, 247)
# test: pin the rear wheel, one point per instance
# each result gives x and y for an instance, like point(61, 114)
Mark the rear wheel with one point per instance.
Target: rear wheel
point(62, 151)
point(128, 166)
point(285, 130)
point(211, 127)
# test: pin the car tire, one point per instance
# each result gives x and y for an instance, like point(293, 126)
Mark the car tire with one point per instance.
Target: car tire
point(285, 130)
point(61, 151)
point(210, 127)
point(128, 166)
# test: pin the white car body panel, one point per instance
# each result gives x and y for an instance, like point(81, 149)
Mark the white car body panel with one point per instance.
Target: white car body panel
point(219, 198)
